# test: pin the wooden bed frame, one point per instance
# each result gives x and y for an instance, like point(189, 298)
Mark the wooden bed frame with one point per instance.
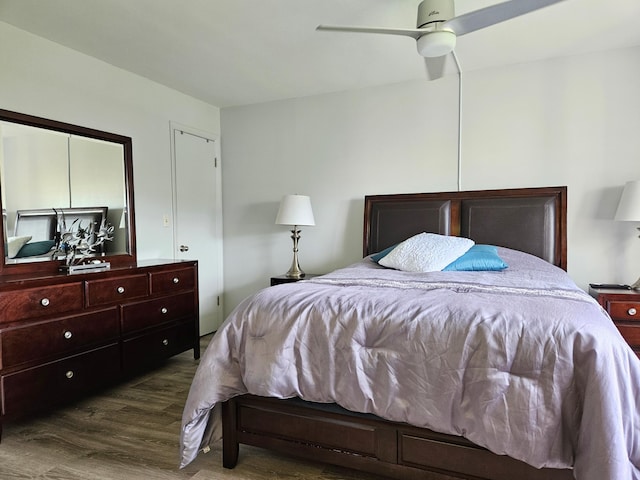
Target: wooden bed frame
point(532, 220)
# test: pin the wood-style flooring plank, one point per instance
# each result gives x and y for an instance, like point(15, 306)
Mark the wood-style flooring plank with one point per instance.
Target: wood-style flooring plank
point(131, 432)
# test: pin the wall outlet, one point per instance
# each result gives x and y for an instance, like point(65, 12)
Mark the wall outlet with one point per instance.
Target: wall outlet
point(165, 220)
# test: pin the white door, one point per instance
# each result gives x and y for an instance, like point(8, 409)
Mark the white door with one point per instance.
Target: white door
point(198, 217)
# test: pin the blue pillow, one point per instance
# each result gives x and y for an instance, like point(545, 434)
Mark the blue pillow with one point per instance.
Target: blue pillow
point(376, 257)
point(33, 249)
point(477, 258)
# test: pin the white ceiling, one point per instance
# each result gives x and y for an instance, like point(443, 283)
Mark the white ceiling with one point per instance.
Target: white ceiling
point(237, 52)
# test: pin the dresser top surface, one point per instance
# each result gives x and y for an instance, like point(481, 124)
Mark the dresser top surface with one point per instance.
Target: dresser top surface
point(61, 277)
point(611, 292)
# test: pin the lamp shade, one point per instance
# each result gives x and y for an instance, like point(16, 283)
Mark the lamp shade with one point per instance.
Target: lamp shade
point(629, 206)
point(295, 210)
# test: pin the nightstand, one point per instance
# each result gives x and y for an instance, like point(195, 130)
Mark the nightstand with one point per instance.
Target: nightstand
point(624, 308)
point(284, 279)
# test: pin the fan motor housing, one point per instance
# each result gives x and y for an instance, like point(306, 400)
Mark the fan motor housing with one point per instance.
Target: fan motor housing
point(433, 11)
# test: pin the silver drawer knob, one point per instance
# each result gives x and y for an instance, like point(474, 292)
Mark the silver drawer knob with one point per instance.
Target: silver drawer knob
point(44, 302)
point(164, 310)
point(176, 280)
point(120, 289)
point(69, 374)
point(68, 334)
point(165, 342)
point(632, 311)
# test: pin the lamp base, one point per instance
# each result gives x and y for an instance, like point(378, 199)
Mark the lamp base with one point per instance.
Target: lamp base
point(295, 271)
point(636, 286)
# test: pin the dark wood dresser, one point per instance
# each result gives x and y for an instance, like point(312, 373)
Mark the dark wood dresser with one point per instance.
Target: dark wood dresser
point(62, 336)
point(623, 307)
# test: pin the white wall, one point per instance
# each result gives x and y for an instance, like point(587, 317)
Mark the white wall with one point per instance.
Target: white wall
point(42, 78)
point(571, 121)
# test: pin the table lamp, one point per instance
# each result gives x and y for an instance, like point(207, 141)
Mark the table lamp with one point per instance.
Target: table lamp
point(295, 210)
point(629, 209)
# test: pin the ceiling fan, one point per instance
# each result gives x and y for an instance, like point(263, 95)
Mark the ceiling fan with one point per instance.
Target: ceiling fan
point(438, 27)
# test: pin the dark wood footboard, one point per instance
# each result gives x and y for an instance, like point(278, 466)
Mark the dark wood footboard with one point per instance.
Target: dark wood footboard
point(364, 442)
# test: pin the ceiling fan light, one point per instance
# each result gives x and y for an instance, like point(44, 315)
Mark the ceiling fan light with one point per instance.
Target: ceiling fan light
point(436, 43)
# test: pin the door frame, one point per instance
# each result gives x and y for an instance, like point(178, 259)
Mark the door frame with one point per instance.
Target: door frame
point(177, 127)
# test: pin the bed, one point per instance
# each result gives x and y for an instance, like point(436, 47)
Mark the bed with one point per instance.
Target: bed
point(35, 230)
point(513, 373)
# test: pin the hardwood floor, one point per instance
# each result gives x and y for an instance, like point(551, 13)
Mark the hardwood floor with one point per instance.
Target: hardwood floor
point(130, 432)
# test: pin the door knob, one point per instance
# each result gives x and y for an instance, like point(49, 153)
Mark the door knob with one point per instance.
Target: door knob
point(184, 248)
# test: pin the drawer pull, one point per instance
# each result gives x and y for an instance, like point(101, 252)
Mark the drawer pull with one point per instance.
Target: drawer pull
point(164, 310)
point(45, 302)
point(120, 289)
point(632, 311)
point(69, 374)
point(68, 334)
point(176, 280)
point(165, 342)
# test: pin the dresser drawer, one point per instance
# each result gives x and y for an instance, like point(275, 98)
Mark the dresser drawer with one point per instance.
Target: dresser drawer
point(114, 290)
point(57, 382)
point(173, 281)
point(37, 302)
point(628, 311)
point(141, 315)
point(146, 350)
point(58, 337)
point(631, 333)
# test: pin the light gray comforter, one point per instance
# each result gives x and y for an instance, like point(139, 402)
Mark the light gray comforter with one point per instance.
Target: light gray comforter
point(521, 361)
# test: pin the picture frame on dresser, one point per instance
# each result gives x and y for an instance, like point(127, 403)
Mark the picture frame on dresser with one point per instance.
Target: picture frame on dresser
point(65, 336)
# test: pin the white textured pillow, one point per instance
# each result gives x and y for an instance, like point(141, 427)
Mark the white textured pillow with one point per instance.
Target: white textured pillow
point(426, 252)
point(14, 244)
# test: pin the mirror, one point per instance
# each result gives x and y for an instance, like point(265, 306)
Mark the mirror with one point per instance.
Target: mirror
point(53, 173)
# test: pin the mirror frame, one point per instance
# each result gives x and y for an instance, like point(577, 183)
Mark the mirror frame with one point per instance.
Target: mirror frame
point(53, 266)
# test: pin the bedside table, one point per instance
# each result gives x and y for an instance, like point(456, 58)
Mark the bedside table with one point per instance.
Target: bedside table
point(624, 308)
point(284, 279)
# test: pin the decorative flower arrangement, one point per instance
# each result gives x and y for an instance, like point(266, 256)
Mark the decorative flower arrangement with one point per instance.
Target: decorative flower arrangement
point(77, 243)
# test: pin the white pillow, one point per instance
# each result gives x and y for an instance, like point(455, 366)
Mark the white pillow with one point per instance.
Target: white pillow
point(14, 244)
point(426, 252)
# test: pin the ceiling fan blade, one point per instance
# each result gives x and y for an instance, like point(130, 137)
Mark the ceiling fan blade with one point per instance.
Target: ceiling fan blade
point(472, 21)
point(407, 32)
point(435, 66)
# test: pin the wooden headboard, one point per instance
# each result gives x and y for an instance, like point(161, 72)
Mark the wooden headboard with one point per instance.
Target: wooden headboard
point(532, 220)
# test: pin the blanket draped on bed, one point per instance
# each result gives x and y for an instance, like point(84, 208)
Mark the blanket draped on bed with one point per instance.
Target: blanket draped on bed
point(521, 361)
